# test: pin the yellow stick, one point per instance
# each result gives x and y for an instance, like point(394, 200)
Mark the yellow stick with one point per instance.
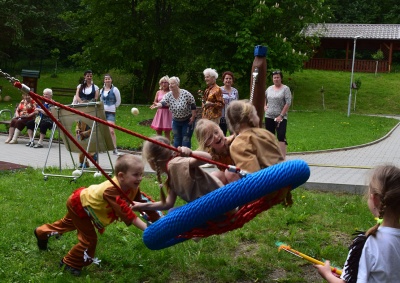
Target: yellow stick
point(306, 257)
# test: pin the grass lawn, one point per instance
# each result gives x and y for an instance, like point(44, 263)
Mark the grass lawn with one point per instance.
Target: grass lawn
point(318, 224)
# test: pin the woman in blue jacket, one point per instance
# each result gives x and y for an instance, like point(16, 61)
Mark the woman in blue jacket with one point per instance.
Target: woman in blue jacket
point(111, 98)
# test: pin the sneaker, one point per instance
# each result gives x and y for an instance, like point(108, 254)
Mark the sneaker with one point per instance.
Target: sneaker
point(115, 151)
point(42, 244)
point(83, 165)
point(38, 145)
point(70, 269)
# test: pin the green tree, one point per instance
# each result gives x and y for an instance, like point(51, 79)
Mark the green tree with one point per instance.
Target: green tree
point(364, 11)
point(30, 28)
point(152, 38)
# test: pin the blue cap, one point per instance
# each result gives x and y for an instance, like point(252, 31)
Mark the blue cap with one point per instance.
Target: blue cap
point(260, 51)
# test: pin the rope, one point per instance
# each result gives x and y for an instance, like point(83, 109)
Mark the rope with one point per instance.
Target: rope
point(38, 99)
point(25, 89)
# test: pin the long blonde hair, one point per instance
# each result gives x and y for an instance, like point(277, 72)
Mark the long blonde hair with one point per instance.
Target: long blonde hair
point(385, 183)
point(155, 155)
point(203, 131)
point(239, 112)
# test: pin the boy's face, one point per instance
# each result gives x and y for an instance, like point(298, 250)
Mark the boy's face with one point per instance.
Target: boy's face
point(132, 178)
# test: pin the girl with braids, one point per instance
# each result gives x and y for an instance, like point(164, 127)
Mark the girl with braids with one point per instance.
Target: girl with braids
point(185, 178)
point(375, 256)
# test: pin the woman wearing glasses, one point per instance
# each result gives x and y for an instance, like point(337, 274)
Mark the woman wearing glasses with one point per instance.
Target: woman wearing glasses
point(277, 102)
point(183, 107)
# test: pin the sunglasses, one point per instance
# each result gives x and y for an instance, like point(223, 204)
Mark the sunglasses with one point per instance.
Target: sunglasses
point(276, 72)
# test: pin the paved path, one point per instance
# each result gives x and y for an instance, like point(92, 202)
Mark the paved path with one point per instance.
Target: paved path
point(338, 170)
point(43, 158)
point(347, 169)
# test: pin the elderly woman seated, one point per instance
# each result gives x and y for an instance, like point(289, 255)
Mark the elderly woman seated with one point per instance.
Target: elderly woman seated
point(24, 113)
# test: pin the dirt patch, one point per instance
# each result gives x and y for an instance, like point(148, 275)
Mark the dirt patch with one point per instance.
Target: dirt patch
point(11, 166)
point(146, 122)
point(247, 249)
point(310, 273)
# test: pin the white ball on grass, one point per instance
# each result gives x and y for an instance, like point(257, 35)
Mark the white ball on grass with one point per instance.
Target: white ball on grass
point(135, 111)
point(77, 173)
point(97, 174)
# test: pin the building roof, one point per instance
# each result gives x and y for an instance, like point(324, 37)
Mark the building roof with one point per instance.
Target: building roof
point(366, 31)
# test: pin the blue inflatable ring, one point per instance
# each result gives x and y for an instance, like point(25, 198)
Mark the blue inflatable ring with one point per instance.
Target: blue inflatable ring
point(165, 231)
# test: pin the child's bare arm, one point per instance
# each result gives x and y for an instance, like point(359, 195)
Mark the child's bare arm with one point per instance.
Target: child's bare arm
point(159, 205)
point(139, 223)
point(326, 273)
point(185, 152)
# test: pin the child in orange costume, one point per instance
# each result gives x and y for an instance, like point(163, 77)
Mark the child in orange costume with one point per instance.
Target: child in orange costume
point(96, 207)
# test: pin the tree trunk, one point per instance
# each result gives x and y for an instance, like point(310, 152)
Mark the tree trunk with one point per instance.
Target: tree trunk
point(151, 79)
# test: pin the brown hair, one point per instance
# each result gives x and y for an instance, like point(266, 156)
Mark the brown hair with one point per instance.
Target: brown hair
point(385, 183)
point(127, 161)
point(230, 74)
point(277, 72)
point(237, 113)
point(155, 154)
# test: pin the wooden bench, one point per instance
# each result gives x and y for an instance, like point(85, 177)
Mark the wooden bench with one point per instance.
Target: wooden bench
point(6, 122)
point(62, 91)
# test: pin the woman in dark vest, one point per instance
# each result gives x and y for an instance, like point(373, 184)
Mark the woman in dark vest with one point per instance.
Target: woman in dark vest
point(87, 90)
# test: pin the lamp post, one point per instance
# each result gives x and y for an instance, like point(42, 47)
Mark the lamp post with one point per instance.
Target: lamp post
point(352, 73)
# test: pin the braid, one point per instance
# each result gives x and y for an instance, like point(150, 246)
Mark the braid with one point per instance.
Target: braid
point(385, 183)
point(372, 231)
point(160, 184)
point(156, 155)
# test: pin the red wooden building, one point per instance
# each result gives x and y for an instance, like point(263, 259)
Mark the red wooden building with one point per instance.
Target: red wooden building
point(336, 49)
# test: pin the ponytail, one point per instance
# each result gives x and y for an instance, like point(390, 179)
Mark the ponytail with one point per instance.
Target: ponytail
point(372, 231)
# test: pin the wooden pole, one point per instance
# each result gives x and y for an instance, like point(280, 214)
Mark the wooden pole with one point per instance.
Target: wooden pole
point(258, 80)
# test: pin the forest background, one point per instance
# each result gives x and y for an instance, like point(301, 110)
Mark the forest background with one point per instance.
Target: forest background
point(148, 39)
